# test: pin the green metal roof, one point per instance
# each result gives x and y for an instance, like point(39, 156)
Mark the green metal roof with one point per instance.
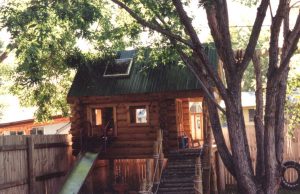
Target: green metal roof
point(90, 81)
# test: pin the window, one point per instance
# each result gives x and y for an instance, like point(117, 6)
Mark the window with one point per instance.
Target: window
point(195, 107)
point(37, 131)
point(20, 132)
point(251, 113)
point(119, 68)
point(101, 121)
point(16, 133)
point(13, 133)
point(138, 114)
point(6, 133)
point(98, 116)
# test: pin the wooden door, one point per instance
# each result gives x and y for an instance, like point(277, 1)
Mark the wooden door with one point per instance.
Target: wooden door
point(179, 117)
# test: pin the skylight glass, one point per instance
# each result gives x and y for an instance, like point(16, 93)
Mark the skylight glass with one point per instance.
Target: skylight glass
point(120, 67)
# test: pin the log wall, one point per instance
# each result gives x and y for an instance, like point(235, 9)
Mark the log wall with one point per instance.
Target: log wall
point(34, 164)
point(135, 141)
point(186, 114)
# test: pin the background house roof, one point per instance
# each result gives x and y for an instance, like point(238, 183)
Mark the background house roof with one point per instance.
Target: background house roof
point(248, 100)
point(89, 81)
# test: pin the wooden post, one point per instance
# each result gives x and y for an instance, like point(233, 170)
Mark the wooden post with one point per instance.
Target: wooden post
point(89, 183)
point(30, 158)
point(156, 166)
point(198, 177)
point(143, 187)
point(221, 174)
point(148, 172)
point(161, 153)
point(111, 173)
point(213, 180)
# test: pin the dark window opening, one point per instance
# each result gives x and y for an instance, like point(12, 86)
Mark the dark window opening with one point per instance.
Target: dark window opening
point(251, 113)
point(13, 133)
point(37, 131)
point(103, 121)
point(16, 133)
point(138, 114)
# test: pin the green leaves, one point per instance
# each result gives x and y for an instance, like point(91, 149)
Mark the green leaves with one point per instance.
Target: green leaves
point(292, 107)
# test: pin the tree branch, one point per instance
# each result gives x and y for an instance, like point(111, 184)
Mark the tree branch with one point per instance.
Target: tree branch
point(197, 73)
point(258, 120)
point(275, 30)
point(150, 25)
point(185, 20)
point(289, 47)
point(223, 24)
point(223, 150)
point(213, 112)
point(213, 23)
point(3, 56)
point(256, 29)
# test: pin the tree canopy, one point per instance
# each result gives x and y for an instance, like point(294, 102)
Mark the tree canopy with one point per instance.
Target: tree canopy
point(45, 35)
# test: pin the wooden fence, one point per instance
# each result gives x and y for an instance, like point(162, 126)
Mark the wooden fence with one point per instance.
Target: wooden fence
point(291, 152)
point(34, 164)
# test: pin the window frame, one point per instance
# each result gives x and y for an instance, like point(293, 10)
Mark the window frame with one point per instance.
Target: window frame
point(146, 104)
point(92, 107)
point(36, 130)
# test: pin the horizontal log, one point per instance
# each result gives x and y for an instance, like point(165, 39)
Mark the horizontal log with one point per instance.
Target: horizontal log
point(122, 117)
point(134, 131)
point(129, 144)
point(135, 156)
point(147, 136)
point(173, 136)
point(52, 145)
point(50, 175)
point(138, 97)
point(128, 153)
point(186, 122)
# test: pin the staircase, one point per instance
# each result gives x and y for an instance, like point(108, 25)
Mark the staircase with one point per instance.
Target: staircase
point(178, 176)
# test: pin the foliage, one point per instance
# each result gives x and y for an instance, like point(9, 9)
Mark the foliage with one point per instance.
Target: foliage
point(44, 36)
point(293, 104)
point(44, 33)
point(248, 2)
point(239, 41)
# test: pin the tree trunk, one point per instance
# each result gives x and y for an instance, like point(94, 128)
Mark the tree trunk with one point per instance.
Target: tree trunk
point(206, 161)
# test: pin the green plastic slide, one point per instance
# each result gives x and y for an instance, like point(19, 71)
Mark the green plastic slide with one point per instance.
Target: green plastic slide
point(79, 173)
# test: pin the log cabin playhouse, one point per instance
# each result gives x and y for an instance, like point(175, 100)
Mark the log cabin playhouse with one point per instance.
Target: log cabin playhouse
point(132, 107)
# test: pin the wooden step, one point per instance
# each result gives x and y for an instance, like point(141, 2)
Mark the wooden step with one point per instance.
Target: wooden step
point(173, 190)
point(178, 176)
point(180, 184)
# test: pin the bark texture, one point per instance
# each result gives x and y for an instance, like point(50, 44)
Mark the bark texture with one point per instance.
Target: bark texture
point(269, 122)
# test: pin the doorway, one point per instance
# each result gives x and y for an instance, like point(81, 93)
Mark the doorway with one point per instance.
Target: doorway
point(103, 121)
point(196, 120)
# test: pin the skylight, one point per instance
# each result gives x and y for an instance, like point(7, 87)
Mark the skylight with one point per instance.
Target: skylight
point(120, 67)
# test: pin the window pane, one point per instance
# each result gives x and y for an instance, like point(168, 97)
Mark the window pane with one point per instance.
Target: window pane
point(40, 132)
point(98, 117)
point(251, 114)
point(33, 131)
point(141, 115)
point(138, 114)
point(20, 132)
point(13, 133)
